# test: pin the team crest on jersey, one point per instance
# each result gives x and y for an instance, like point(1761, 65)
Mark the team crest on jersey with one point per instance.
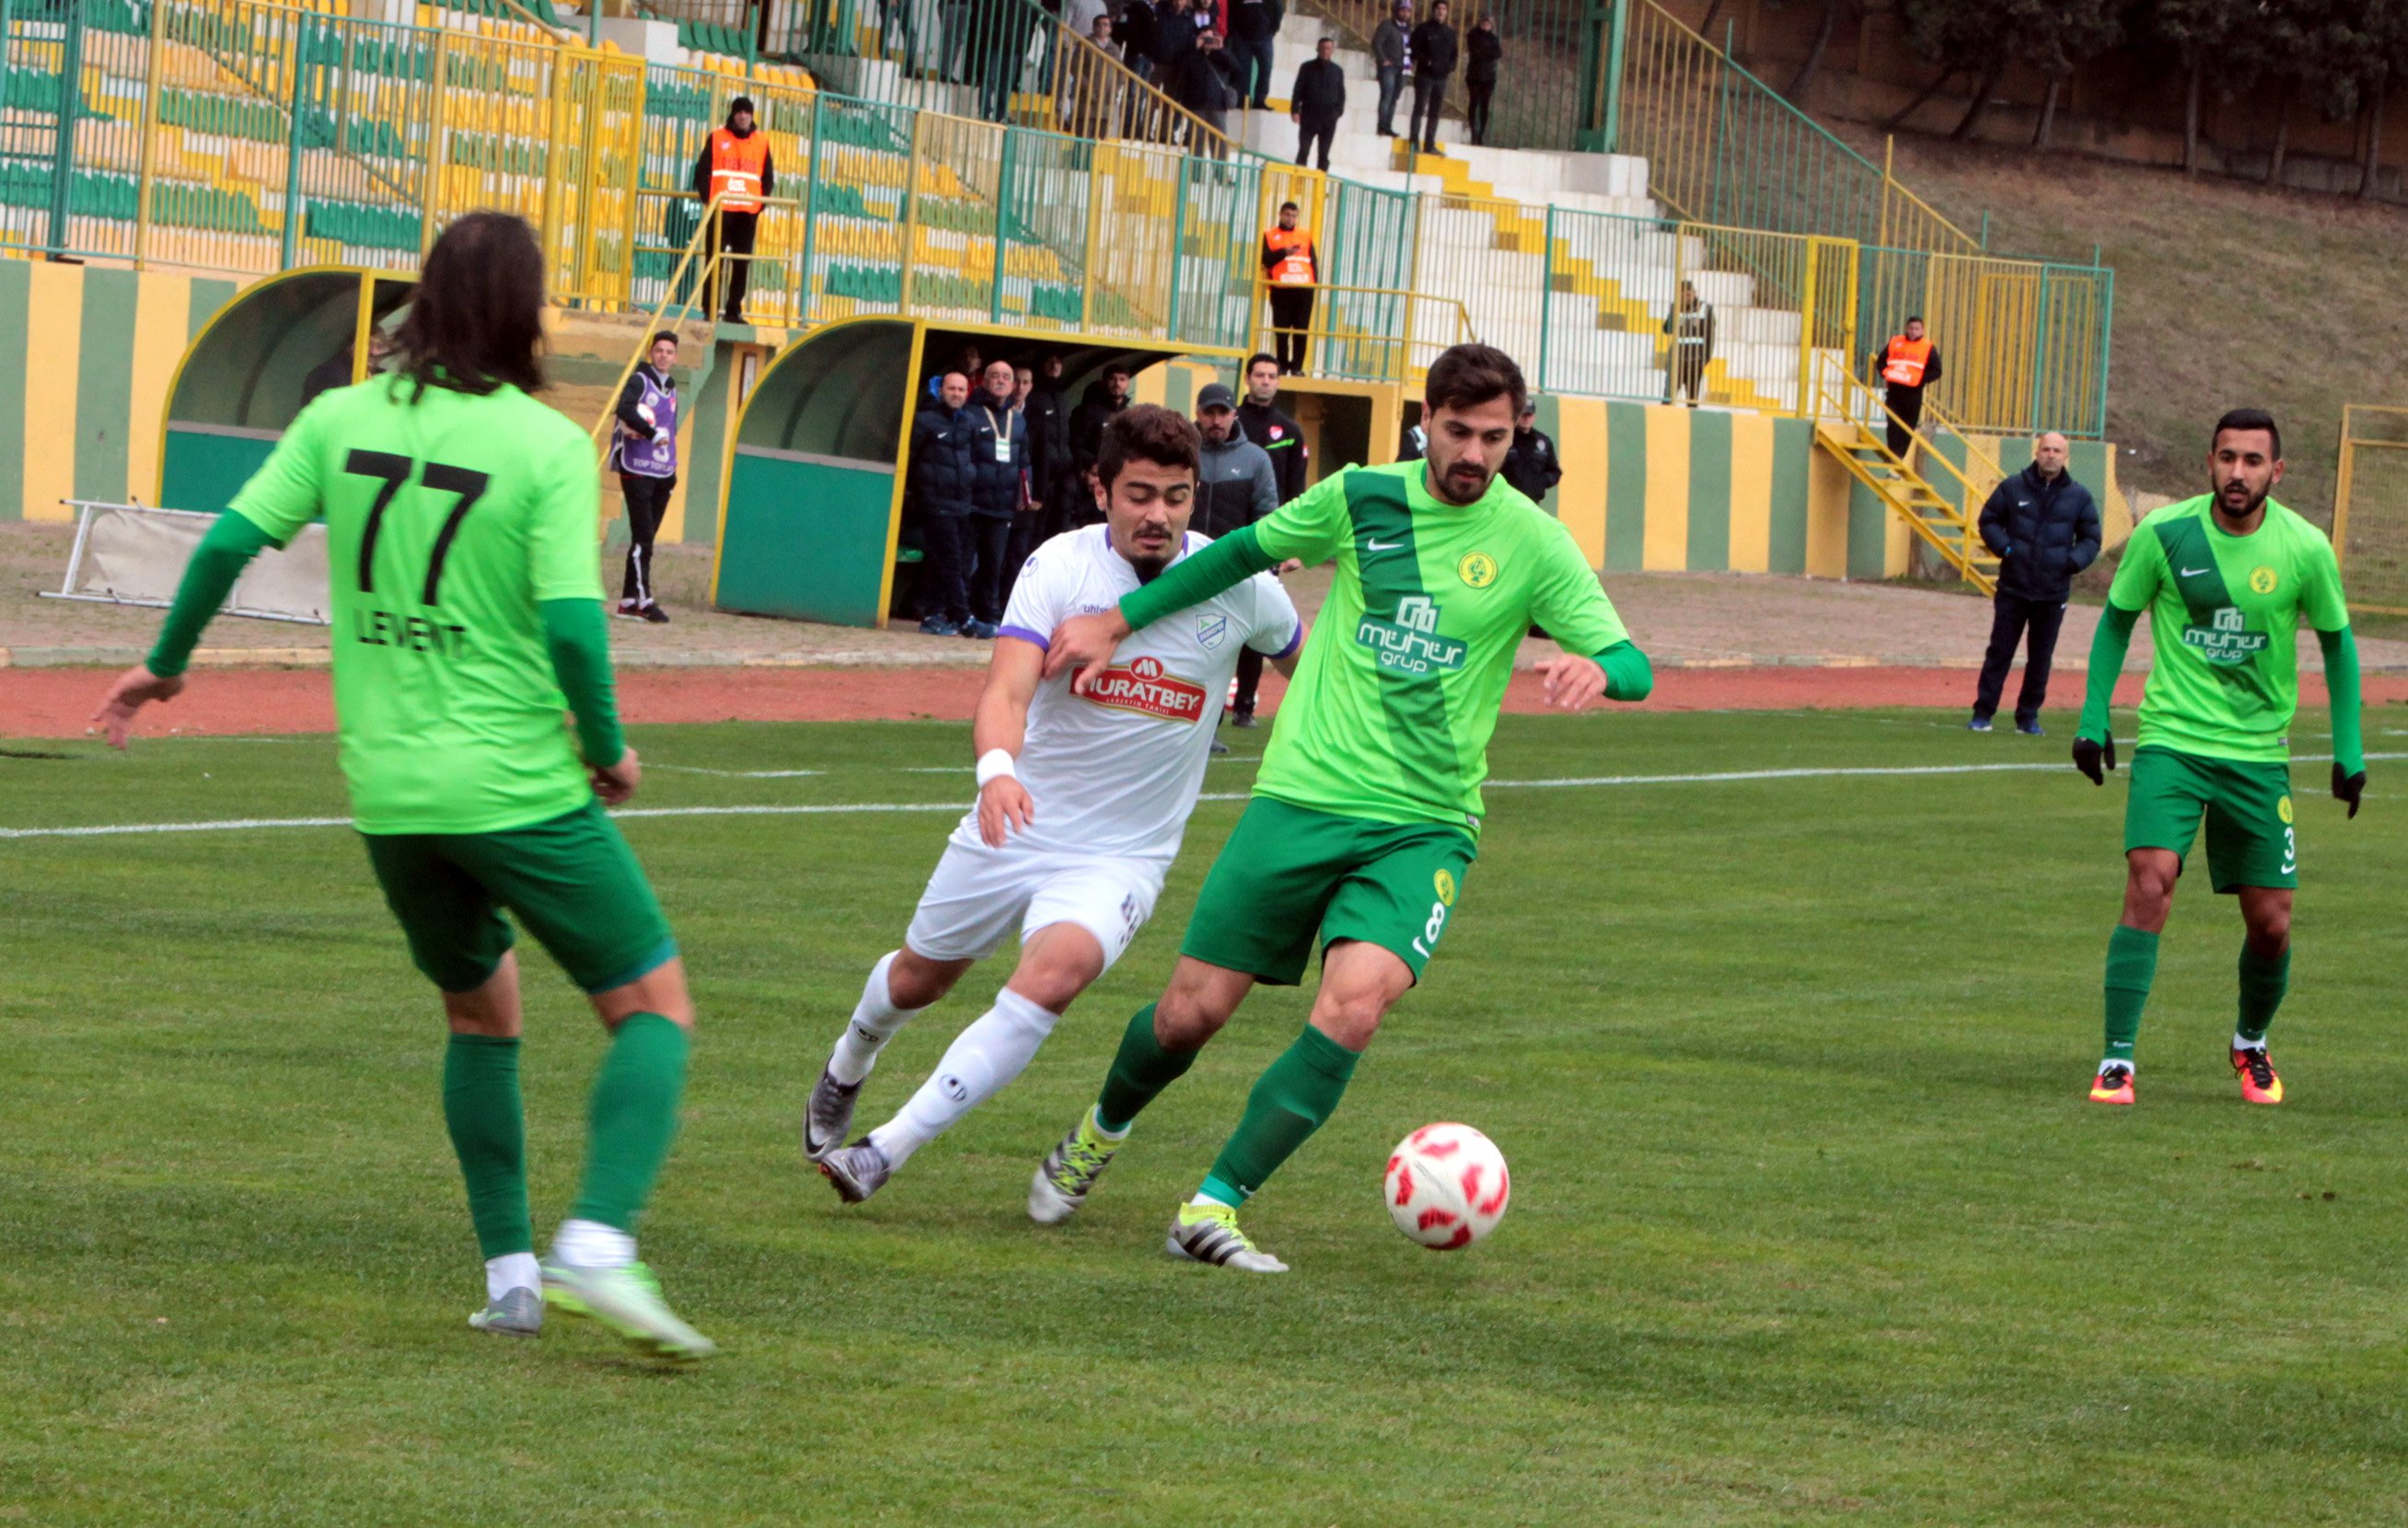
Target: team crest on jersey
point(1211, 631)
point(1478, 569)
point(1445, 887)
point(2263, 579)
point(2283, 810)
point(1145, 687)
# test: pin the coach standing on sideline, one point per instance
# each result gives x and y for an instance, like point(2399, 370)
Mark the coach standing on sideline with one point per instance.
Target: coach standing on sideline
point(2044, 528)
point(998, 458)
point(735, 167)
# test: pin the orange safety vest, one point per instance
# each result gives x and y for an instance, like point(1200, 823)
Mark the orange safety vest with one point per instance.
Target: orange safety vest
point(1292, 252)
point(736, 166)
point(1906, 361)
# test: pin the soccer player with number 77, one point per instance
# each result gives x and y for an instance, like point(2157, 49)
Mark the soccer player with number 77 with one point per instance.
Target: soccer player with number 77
point(2227, 577)
point(468, 617)
point(1365, 809)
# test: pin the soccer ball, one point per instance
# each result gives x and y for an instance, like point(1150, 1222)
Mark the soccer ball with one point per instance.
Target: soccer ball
point(1447, 1186)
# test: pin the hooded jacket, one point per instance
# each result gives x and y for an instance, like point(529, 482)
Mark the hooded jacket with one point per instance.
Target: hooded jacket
point(702, 162)
point(1235, 484)
point(940, 460)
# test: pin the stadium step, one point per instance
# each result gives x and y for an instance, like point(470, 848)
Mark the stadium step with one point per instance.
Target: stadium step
point(1945, 527)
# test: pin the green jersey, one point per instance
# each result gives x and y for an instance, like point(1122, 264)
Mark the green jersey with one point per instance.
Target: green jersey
point(1399, 686)
point(448, 521)
point(2224, 615)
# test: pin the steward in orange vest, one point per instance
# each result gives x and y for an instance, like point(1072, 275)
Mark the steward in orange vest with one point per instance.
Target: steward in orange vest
point(1908, 364)
point(735, 168)
point(1293, 268)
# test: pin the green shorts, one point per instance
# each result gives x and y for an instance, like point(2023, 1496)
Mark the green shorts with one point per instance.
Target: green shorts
point(1289, 874)
point(572, 880)
point(2250, 840)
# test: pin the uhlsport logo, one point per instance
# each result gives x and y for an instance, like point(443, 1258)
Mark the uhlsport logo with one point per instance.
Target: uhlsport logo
point(1444, 884)
point(1144, 687)
point(1410, 644)
point(1478, 569)
point(2263, 579)
point(2228, 640)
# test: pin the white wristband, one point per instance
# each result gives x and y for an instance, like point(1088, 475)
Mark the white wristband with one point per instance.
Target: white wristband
point(994, 765)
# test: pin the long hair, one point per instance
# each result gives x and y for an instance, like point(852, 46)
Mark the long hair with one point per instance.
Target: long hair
point(476, 321)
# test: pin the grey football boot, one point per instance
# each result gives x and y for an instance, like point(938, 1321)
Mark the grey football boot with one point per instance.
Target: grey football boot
point(518, 1313)
point(828, 1115)
point(857, 1171)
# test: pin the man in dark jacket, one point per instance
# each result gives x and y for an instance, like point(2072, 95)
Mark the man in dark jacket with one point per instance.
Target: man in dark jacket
point(1392, 54)
point(1206, 80)
point(736, 168)
point(940, 496)
point(1271, 428)
point(1906, 365)
point(1253, 26)
point(1484, 51)
point(1434, 59)
point(1048, 443)
point(1133, 28)
point(1105, 397)
point(2044, 526)
point(1531, 464)
point(1235, 482)
point(1317, 100)
point(1176, 27)
point(998, 469)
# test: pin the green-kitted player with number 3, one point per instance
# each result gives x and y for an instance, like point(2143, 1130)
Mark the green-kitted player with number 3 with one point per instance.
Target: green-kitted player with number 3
point(468, 617)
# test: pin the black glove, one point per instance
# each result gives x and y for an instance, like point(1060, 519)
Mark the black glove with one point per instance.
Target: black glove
point(2348, 788)
point(2095, 760)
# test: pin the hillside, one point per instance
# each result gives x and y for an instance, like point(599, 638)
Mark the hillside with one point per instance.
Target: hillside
point(2225, 294)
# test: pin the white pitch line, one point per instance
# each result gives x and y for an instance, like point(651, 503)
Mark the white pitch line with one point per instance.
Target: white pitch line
point(738, 773)
point(112, 829)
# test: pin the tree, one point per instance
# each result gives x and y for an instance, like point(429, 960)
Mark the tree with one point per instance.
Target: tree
point(2057, 40)
point(2196, 32)
point(1983, 38)
point(1814, 64)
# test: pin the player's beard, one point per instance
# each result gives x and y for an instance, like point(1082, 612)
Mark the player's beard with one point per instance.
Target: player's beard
point(2251, 502)
point(1457, 488)
point(1148, 568)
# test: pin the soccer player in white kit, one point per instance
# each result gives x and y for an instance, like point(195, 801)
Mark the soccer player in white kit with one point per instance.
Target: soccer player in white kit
point(1082, 800)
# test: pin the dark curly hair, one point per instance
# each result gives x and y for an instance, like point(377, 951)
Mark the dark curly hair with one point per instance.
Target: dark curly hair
point(1149, 432)
point(1467, 375)
point(476, 321)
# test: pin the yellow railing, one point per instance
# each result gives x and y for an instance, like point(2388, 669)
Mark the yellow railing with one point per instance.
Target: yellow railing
point(1372, 334)
point(1842, 394)
point(2370, 526)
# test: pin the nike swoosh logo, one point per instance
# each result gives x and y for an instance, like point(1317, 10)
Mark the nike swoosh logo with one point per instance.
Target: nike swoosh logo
point(2192, 572)
point(1375, 544)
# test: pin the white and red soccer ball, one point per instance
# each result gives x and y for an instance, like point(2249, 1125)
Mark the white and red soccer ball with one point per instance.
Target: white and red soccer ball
point(1447, 1186)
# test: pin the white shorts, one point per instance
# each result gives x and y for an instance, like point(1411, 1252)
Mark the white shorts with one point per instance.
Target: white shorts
point(978, 895)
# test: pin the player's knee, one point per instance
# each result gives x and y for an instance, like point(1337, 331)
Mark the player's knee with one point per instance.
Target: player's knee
point(914, 981)
point(2269, 930)
point(1186, 1021)
point(1350, 1018)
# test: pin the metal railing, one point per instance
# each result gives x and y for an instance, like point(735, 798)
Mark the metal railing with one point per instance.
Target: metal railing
point(1374, 334)
point(2370, 524)
point(1549, 92)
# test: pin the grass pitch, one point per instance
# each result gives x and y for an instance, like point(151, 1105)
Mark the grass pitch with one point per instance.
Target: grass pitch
point(1811, 1220)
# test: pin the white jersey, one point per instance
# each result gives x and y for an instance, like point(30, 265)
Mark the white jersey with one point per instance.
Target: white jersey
point(1117, 771)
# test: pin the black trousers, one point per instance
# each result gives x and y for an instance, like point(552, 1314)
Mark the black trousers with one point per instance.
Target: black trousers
point(1315, 127)
point(1477, 116)
point(1688, 373)
point(1253, 56)
point(1027, 530)
point(1907, 403)
point(1429, 94)
point(944, 568)
point(2011, 617)
point(735, 231)
point(648, 501)
point(986, 539)
point(1291, 325)
point(1250, 680)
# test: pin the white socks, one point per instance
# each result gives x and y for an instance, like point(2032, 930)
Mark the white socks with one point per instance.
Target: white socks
point(981, 1059)
point(2243, 1042)
point(511, 1271)
point(875, 1020)
point(590, 1244)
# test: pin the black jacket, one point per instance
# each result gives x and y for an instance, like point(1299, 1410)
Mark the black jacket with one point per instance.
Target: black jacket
point(1320, 90)
point(1049, 439)
point(1174, 32)
point(1095, 405)
point(1235, 485)
point(2044, 531)
point(1206, 81)
point(1483, 52)
point(702, 166)
point(1133, 29)
point(1260, 18)
point(940, 461)
point(1531, 464)
point(632, 395)
point(1434, 51)
point(999, 478)
point(1280, 440)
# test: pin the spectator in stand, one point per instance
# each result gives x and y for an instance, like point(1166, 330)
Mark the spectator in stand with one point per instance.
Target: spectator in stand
point(940, 496)
point(1206, 81)
point(2044, 526)
point(1090, 89)
point(1080, 15)
point(1049, 444)
point(1483, 52)
point(999, 467)
point(1291, 267)
point(643, 450)
point(1176, 27)
point(1317, 100)
point(1392, 54)
point(1028, 520)
point(1691, 328)
point(1253, 26)
point(1908, 364)
point(1531, 464)
point(1434, 60)
point(735, 169)
point(1267, 426)
point(1133, 30)
point(1105, 397)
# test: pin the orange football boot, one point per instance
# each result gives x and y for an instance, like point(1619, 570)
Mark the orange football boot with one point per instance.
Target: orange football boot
point(2113, 1085)
point(2258, 1083)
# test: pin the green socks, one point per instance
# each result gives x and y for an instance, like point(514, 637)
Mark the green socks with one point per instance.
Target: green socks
point(1290, 1101)
point(488, 1126)
point(2263, 982)
point(2131, 966)
point(1139, 1072)
point(634, 1117)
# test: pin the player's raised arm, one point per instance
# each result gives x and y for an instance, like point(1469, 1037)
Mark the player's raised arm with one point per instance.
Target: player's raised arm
point(998, 733)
